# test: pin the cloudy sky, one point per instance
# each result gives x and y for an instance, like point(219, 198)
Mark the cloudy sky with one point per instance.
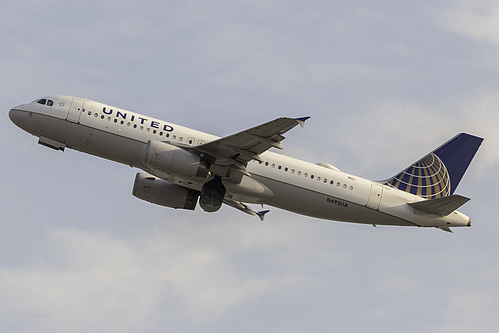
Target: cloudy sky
point(384, 83)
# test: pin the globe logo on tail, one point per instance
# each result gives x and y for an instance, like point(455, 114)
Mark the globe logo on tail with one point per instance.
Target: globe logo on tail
point(427, 178)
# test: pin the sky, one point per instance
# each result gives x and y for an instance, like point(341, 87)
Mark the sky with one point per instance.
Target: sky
point(384, 83)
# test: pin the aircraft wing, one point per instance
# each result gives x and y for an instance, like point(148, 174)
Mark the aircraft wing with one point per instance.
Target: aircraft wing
point(242, 147)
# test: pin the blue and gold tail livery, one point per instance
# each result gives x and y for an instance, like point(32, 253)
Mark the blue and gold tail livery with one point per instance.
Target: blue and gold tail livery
point(437, 174)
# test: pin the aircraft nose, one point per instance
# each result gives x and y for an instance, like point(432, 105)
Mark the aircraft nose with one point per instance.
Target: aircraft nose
point(18, 116)
point(15, 115)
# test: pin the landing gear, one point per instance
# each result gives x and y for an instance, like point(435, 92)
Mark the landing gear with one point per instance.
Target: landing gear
point(212, 195)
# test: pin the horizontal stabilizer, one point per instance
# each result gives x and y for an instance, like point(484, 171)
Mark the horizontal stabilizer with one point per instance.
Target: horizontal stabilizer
point(440, 206)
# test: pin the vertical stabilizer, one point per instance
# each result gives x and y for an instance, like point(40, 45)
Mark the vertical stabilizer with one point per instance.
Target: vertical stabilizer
point(437, 174)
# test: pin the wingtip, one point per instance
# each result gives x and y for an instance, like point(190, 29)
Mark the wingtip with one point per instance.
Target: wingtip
point(261, 214)
point(302, 120)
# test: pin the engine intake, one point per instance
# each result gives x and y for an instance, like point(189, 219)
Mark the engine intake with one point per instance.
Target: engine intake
point(165, 158)
point(160, 192)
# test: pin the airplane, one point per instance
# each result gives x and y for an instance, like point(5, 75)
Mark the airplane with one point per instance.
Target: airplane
point(184, 168)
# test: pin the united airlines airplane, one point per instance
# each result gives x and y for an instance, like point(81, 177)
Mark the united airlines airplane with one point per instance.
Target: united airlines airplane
point(184, 167)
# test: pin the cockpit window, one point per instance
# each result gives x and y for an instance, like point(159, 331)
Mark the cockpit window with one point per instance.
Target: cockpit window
point(45, 101)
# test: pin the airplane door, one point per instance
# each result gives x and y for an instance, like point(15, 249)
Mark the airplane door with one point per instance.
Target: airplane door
point(375, 196)
point(75, 110)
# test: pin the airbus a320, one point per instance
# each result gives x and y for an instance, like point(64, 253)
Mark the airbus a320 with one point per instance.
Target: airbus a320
point(184, 168)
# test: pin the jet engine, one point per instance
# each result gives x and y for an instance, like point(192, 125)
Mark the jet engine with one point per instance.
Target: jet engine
point(160, 192)
point(163, 158)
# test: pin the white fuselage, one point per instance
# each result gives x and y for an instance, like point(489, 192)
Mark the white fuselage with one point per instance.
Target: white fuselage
point(319, 191)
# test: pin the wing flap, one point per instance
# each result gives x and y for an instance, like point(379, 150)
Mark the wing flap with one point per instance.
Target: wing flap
point(440, 206)
point(247, 145)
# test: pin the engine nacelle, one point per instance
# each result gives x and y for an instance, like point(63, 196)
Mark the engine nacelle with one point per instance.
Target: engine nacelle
point(165, 158)
point(160, 192)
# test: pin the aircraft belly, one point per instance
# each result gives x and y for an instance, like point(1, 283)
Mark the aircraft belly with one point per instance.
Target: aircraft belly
point(321, 205)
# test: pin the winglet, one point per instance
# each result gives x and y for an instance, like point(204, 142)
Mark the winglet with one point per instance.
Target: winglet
point(302, 120)
point(261, 214)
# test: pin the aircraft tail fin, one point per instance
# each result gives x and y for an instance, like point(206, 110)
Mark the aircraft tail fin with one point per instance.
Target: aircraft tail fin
point(437, 174)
